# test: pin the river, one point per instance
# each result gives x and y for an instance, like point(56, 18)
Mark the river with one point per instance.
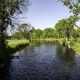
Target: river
point(42, 62)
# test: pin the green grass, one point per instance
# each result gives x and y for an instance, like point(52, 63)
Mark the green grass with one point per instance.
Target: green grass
point(12, 47)
point(15, 43)
point(49, 39)
point(76, 47)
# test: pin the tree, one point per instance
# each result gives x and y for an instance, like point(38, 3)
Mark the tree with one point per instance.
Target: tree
point(24, 31)
point(38, 33)
point(73, 5)
point(7, 10)
point(60, 27)
point(48, 33)
point(65, 27)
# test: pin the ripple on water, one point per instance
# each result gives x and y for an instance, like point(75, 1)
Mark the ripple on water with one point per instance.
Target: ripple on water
point(42, 63)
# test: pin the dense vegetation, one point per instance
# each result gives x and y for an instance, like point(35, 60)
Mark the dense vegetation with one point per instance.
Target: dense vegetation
point(65, 30)
point(8, 8)
point(62, 29)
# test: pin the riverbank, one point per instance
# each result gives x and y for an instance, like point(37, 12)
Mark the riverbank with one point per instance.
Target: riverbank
point(16, 45)
point(12, 47)
point(76, 47)
point(43, 63)
point(49, 40)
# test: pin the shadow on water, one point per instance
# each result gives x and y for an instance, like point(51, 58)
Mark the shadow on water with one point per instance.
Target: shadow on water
point(66, 56)
point(65, 53)
point(5, 56)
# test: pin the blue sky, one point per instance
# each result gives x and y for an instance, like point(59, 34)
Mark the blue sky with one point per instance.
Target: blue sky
point(44, 13)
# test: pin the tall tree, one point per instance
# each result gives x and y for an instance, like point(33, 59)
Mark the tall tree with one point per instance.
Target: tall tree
point(65, 27)
point(7, 10)
point(73, 5)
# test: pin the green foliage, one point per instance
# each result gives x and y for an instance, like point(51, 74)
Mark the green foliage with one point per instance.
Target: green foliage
point(7, 10)
point(43, 34)
point(65, 27)
point(60, 27)
point(73, 5)
point(22, 32)
point(48, 33)
point(16, 42)
point(37, 33)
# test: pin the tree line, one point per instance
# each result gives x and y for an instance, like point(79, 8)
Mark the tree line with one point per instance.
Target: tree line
point(9, 8)
point(62, 29)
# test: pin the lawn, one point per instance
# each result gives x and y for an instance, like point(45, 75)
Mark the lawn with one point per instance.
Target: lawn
point(15, 43)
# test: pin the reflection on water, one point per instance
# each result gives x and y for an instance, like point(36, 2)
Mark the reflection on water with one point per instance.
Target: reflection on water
point(44, 62)
point(65, 54)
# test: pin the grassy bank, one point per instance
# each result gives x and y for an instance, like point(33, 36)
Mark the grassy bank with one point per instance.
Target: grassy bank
point(74, 44)
point(15, 43)
point(76, 47)
point(49, 40)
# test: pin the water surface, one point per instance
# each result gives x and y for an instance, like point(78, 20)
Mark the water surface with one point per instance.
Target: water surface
point(43, 62)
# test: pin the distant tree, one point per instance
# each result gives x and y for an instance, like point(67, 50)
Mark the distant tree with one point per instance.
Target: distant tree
point(24, 27)
point(48, 33)
point(23, 31)
point(38, 33)
point(43, 34)
point(60, 27)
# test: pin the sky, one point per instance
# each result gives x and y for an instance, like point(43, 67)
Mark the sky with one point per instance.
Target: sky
point(44, 13)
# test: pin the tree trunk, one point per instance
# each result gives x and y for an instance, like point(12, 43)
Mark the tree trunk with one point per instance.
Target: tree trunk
point(3, 53)
point(2, 41)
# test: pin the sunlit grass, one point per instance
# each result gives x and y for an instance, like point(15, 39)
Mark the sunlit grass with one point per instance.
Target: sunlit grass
point(14, 43)
point(76, 47)
point(49, 39)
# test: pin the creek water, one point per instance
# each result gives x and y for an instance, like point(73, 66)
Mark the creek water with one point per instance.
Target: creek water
point(43, 62)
